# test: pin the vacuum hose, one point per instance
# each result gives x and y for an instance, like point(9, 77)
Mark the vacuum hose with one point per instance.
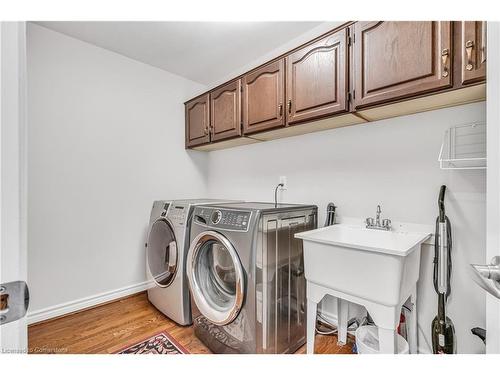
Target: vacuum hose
point(442, 262)
point(437, 262)
point(443, 331)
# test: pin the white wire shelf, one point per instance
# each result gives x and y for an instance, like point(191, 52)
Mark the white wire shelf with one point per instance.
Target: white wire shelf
point(464, 147)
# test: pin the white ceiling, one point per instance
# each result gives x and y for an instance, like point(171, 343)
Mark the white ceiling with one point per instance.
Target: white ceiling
point(203, 52)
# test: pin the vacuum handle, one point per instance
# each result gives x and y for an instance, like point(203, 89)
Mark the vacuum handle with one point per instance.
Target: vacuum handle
point(441, 204)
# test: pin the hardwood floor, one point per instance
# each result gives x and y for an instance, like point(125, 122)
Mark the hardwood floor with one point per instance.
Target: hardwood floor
point(110, 327)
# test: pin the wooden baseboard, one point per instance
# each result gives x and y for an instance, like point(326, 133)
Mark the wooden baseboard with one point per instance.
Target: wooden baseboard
point(82, 304)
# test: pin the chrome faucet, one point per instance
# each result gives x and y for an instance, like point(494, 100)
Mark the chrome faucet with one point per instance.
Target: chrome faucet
point(376, 224)
point(377, 220)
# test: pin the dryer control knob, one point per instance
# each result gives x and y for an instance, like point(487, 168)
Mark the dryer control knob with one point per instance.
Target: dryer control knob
point(216, 216)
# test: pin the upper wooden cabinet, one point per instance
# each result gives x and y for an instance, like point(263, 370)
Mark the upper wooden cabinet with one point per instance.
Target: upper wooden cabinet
point(197, 121)
point(225, 111)
point(473, 51)
point(263, 98)
point(359, 72)
point(316, 80)
point(394, 60)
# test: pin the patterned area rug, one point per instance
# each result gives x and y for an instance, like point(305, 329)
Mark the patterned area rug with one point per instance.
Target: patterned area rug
point(159, 343)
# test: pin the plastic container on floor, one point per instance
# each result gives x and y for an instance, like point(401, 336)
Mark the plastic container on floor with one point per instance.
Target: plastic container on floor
point(367, 341)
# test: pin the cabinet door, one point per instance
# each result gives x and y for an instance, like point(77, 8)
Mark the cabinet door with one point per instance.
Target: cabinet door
point(473, 51)
point(394, 60)
point(225, 111)
point(263, 97)
point(197, 121)
point(316, 80)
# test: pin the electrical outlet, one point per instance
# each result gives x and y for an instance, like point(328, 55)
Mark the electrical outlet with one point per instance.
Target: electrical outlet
point(284, 182)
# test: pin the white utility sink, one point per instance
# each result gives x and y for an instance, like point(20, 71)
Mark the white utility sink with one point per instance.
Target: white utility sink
point(376, 265)
point(399, 243)
point(377, 269)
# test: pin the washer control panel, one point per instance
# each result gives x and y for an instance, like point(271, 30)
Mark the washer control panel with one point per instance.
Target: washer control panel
point(177, 214)
point(223, 219)
point(164, 210)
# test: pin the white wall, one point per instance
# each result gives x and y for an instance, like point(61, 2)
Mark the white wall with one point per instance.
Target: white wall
point(106, 138)
point(392, 162)
point(309, 35)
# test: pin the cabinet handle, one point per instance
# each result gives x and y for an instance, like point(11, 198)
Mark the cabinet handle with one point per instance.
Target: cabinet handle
point(483, 42)
point(206, 131)
point(469, 45)
point(444, 58)
point(280, 109)
point(289, 105)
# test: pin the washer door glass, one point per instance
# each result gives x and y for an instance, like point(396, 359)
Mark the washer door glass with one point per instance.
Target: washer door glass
point(216, 277)
point(162, 252)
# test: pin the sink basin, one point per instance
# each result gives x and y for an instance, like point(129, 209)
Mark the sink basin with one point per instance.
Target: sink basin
point(377, 266)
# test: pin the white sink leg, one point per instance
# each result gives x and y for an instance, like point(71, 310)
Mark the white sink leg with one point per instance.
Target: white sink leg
point(387, 339)
point(412, 327)
point(312, 308)
point(342, 313)
point(386, 318)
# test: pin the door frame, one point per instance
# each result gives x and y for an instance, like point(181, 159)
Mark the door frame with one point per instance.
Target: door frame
point(13, 168)
point(493, 179)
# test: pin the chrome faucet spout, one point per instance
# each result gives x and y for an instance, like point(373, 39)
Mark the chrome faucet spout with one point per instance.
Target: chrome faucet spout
point(377, 223)
point(377, 219)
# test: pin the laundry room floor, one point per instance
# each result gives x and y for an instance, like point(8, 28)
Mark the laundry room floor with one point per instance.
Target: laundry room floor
point(109, 327)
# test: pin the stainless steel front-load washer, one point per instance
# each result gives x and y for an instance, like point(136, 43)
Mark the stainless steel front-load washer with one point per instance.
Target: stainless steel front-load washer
point(166, 249)
point(246, 276)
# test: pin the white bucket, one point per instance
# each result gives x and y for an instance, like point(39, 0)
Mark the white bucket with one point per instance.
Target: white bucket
point(367, 341)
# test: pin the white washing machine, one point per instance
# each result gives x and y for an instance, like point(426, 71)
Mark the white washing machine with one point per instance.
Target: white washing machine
point(166, 250)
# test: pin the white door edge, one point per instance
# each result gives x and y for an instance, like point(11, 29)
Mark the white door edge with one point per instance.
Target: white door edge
point(13, 170)
point(493, 180)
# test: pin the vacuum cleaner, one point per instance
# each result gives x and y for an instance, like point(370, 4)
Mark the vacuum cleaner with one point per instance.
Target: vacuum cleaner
point(443, 331)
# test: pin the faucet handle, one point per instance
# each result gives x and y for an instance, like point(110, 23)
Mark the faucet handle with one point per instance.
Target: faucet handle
point(386, 223)
point(369, 221)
